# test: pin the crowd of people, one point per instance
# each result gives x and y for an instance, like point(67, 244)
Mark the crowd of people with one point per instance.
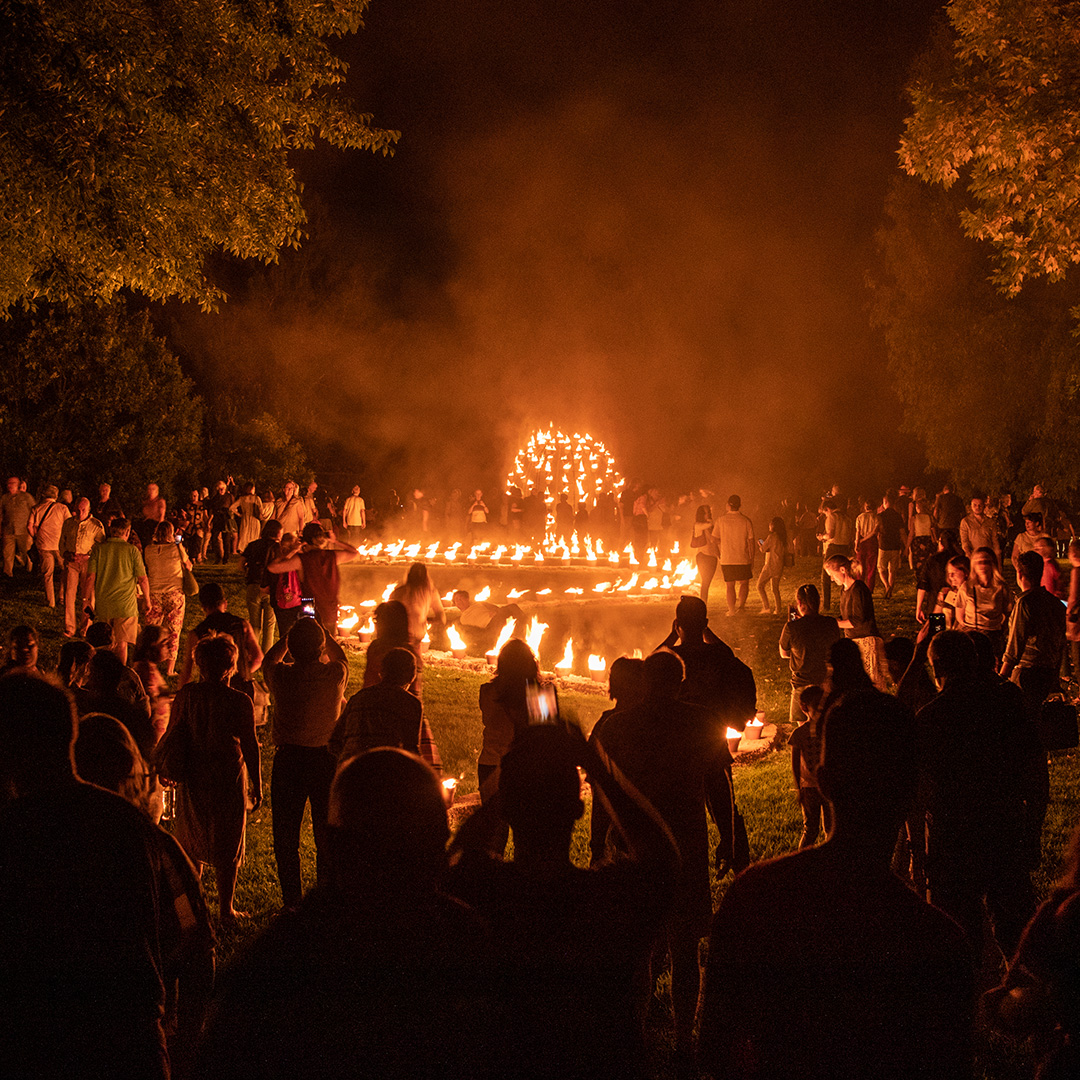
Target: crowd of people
point(925, 760)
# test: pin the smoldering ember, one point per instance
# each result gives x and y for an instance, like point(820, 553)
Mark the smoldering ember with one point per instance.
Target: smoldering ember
point(539, 540)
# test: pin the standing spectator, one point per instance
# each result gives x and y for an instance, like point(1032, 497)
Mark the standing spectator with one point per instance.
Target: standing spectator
point(978, 530)
point(735, 535)
point(1028, 540)
point(892, 539)
point(78, 536)
point(257, 583)
point(15, 508)
point(984, 601)
point(502, 711)
point(655, 518)
point(219, 620)
point(45, 525)
point(670, 753)
point(932, 578)
point(866, 543)
point(248, 511)
point(805, 642)
point(1036, 636)
point(216, 725)
point(1072, 611)
point(354, 517)
point(1040, 503)
point(837, 540)
point(775, 548)
point(385, 714)
point(284, 588)
point(317, 564)
point(153, 513)
point(22, 652)
point(708, 552)
point(291, 510)
point(166, 561)
point(921, 542)
point(107, 507)
point(477, 517)
point(857, 617)
point(86, 894)
point(981, 773)
point(564, 519)
point(805, 743)
point(306, 673)
point(391, 632)
point(222, 527)
point(948, 513)
point(1051, 579)
point(422, 602)
point(883, 981)
point(115, 579)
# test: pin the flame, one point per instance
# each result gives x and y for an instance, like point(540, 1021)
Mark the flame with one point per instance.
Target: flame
point(613, 558)
point(449, 597)
point(412, 550)
point(498, 553)
point(513, 594)
point(733, 734)
point(504, 635)
point(574, 592)
point(652, 583)
point(597, 663)
point(535, 633)
point(388, 590)
point(457, 643)
point(652, 557)
point(349, 620)
point(483, 594)
point(603, 586)
point(567, 661)
point(629, 585)
point(368, 627)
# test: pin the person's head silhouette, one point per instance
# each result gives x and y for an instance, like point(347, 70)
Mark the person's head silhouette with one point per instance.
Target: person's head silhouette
point(389, 822)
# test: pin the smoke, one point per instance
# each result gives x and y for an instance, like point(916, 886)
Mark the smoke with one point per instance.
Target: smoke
point(649, 224)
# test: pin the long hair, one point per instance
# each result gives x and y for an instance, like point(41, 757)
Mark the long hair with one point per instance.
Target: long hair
point(777, 526)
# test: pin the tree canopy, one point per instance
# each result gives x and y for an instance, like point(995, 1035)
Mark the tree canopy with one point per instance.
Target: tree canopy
point(996, 101)
point(138, 137)
point(93, 395)
point(987, 381)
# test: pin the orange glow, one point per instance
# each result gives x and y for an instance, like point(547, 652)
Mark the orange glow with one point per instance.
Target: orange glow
point(567, 662)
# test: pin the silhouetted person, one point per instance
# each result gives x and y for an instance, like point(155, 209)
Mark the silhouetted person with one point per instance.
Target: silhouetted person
point(1036, 642)
point(375, 974)
point(805, 743)
point(878, 983)
point(805, 641)
point(979, 756)
point(626, 687)
point(106, 755)
point(674, 756)
point(307, 695)
point(1037, 1002)
point(219, 620)
point(101, 692)
point(391, 632)
point(84, 888)
point(385, 714)
point(718, 681)
point(570, 941)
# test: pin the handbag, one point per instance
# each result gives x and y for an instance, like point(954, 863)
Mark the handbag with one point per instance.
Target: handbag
point(173, 754)
point(191, 586)
point(1057, 725)
point(697, 540)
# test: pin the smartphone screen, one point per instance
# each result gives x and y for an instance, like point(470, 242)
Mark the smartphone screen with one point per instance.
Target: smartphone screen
point(937, 622)
point(307, 606)
point(541, 703)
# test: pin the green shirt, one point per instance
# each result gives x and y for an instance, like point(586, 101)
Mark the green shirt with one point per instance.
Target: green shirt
point(117, 566)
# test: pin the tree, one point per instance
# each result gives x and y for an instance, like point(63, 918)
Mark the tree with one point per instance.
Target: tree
point(986, 380)
point(92, 395)
point(259, 449)
point(136, 138)
point(997, 101)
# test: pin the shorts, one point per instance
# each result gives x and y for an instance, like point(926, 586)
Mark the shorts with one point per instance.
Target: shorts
point(736, 571)
point(888, 560)
point(125, 629)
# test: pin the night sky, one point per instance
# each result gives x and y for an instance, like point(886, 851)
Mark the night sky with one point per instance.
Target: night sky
point(653, 221)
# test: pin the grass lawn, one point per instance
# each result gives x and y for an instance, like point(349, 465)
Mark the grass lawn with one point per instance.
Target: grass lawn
point(763, 788)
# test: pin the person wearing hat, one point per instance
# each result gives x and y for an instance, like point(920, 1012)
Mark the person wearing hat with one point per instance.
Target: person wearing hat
point(46, 521)
point(317, 563)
